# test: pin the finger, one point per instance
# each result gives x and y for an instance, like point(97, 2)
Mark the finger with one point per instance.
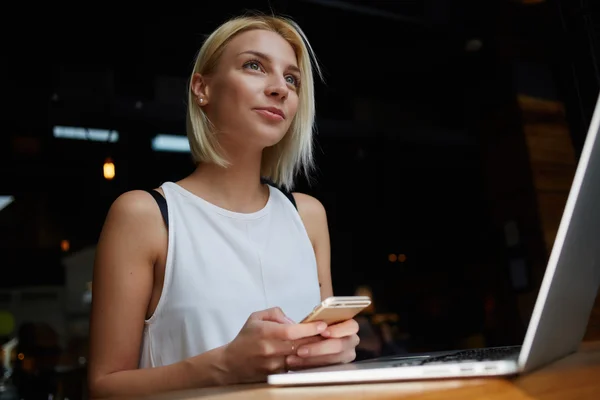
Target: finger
point(328, 346)
point(293, 331)
point(309, 340)
point(275, 348)
point(346, 328)
point(274, 314)
point(304, 341)
point(295, 362)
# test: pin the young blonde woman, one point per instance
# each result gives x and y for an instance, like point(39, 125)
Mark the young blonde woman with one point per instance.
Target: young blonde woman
point(201, 282)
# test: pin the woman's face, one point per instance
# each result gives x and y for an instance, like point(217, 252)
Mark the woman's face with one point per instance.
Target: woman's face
point(252, 96)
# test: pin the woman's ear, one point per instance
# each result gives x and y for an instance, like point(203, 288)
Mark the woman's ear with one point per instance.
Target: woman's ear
point(199, 89)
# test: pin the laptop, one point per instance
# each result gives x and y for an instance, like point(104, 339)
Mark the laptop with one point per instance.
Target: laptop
point(560, 315)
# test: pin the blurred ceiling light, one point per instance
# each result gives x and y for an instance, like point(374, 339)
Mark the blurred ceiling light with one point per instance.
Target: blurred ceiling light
point(109, 169)
point(5, 201)
point(171, 143)
point(65, 245)
point(96, 135)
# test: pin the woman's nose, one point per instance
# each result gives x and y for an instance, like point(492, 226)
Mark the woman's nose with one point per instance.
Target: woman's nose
point(277, 88)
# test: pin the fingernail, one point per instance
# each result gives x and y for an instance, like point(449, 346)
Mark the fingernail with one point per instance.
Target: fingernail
point(303, 351)
point(326, 334)
point(321, 327)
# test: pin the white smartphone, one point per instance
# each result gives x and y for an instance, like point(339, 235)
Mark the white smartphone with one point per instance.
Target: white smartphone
point(338, 309)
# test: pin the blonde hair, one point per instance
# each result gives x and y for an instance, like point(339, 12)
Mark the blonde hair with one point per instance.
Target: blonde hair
point(281, 162)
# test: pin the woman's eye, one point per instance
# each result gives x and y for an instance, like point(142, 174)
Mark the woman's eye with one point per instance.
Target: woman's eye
point(253, 65)
point(291, 80)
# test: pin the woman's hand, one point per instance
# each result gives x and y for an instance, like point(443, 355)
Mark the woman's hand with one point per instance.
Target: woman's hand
point(336, 345)
point(263, 344)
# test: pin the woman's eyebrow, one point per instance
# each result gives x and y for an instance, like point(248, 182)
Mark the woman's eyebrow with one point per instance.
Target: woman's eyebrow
point(266, 57)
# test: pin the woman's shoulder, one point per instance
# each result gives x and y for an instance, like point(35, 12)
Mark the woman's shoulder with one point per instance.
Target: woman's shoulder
point(134, 204)
point(136, 211)
point(309, 206)
point(134, 218)
point(313, 215)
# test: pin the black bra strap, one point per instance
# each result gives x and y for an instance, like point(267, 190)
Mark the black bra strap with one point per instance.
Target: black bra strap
point(162, 204)
point(291, 197)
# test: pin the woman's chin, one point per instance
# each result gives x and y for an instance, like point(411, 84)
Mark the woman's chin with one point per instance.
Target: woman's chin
point(265, 140)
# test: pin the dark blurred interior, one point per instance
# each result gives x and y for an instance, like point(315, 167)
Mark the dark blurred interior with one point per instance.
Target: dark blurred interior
point(448, 136)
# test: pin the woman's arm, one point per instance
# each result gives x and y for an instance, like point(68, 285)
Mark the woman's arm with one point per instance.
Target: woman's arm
point(123, 278)
point(314, 217)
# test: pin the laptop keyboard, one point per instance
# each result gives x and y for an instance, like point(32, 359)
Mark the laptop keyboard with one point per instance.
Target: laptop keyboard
point(474, 355)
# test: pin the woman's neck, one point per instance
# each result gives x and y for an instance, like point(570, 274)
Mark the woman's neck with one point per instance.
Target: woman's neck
point(236, 187)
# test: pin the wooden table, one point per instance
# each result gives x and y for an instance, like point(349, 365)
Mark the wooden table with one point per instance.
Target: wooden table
point(574, 377)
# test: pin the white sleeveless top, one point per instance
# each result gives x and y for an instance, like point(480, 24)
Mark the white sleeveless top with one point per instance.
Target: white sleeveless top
point(221, 267)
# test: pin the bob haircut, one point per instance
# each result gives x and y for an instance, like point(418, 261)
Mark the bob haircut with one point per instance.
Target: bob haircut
point(282, 161)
